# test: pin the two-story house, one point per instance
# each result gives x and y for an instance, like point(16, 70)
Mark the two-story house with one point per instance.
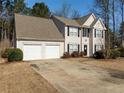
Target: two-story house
point(71, 32)
point(85, 34)
point(41, 38)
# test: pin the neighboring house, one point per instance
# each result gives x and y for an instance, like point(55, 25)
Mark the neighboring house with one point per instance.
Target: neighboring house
point(41, 38)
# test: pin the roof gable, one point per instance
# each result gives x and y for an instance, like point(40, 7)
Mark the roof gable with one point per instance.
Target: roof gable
point(91, 18)
point(82, 20)
point(98, 24)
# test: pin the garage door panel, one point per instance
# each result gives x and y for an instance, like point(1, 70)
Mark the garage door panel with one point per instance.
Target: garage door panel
point(52, 52)
point(32, 52)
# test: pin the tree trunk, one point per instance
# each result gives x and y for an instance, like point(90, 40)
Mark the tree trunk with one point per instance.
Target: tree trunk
point(113, 17)
point(122, 10)
point(1, 8)
point(107, 34)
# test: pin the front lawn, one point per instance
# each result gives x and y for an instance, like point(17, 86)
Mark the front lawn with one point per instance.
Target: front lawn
point(115, 64)
point(21, 78)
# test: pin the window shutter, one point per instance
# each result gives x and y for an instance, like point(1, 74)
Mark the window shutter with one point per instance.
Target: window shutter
point(94, 32)
point(68, 31)
point(83, 32)
point(95, 48)
point(102, 46)
point(78, 48)
point(102, 33)
point(68, 48)
point(78, 32)
point(88, 32)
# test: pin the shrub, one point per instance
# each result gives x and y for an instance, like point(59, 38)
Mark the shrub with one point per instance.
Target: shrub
point(75, 54)
point(4, 53)
point(13, 54)
point(85, 53)
point(81, 54)
point(114, 53)
point(66, 55)
point(121, 50)
point(99, 55)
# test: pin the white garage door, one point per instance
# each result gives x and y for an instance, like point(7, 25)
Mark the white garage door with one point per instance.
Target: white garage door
point(32, 52)
point(52, 52)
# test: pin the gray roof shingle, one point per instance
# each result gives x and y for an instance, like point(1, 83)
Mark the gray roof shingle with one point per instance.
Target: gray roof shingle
point(34, 28)
point(66, 21)
point(83, 19)
point(94, 22)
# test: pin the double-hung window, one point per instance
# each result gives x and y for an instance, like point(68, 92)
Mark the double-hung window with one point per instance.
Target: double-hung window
point(99, 33)
point(73, 47)
point(98, 47)
point(73, 31)
point(86, 32)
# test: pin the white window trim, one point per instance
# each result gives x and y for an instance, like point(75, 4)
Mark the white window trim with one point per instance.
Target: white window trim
point(73, 47)
point(98, 47)
point(99, 33)
point(73, 31)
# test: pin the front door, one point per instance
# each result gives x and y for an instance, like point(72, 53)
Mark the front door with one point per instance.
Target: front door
point(85, 50)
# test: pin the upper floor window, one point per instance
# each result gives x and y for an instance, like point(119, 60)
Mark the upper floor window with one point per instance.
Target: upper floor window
point(86, 32)
point(98, 33)
point(72, 31)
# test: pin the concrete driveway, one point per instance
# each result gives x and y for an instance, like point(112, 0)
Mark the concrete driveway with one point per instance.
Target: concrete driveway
point(74, 77)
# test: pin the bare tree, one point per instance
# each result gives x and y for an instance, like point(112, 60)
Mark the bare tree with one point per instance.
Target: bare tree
point(122, 34)
point(103, 10)
point(75, 14)
point(1, 5)
point(67, 12)
point(6, 24)
point(64, 11)
point(122, 16)
point(122, 9)
point(113, 18)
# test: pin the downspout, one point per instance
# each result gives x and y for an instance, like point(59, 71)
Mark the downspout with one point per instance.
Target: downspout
point(81, 38)
point(14, 33)
point(64, 38)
